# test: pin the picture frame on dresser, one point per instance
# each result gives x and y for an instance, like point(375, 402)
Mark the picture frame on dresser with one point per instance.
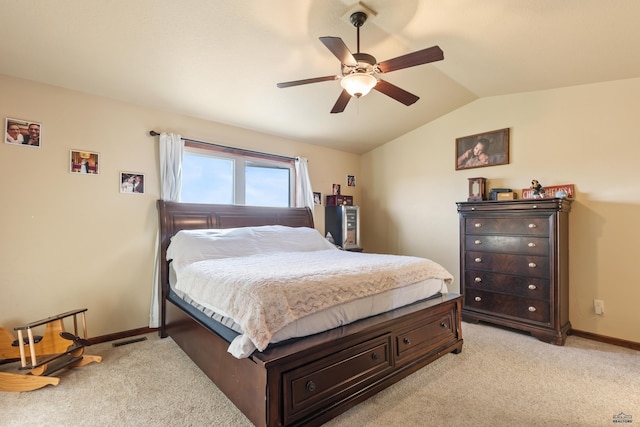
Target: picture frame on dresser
point(477, 189)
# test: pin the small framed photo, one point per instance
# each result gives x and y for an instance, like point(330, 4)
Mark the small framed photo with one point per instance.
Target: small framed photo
point(317, 198)
point(131, 183)
point(351, 180)
point(23, 132)
point(483, 149)
point(477, 189)
point(84, 162)
point(335, 189)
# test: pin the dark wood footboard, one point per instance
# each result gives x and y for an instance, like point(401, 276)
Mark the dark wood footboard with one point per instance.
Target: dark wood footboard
point(311, 380)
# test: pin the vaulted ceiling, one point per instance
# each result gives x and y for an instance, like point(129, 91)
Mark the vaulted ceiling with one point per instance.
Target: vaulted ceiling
point(220, 60)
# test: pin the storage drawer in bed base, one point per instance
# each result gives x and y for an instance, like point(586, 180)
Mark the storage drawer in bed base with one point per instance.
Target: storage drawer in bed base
point(311, 380)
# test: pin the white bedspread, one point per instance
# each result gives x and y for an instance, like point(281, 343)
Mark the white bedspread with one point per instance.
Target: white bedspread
point(265, 292)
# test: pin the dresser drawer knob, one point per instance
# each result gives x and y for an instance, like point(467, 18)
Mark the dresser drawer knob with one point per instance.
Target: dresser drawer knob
point(478, 299)
point(375, 356)
point(532, 265)
point(444, 325)
point(406, 341)
point(478, 260)
point(531, 245)
point(532, 226)
point(477, 242)
point(532, 309)
point(311, 386)
point(533, 287)
point(478, 279)
point(477, 225)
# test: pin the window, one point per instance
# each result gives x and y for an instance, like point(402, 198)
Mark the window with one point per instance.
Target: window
point(214, 174)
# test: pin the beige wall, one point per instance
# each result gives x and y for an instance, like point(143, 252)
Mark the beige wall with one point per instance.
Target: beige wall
point(72, 241)
point(584, 135)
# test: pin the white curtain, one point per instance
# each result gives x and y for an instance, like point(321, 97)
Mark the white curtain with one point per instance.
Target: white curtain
point(171, 149)
point(304, 192)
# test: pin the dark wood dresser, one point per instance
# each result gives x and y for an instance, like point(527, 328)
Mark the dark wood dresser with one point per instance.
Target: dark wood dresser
point(514, 265)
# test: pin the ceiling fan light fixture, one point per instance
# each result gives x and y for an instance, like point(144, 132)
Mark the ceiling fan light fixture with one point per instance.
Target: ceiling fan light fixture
point(358, 84)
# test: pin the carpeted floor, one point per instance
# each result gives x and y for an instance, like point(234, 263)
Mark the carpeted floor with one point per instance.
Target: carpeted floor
point(501, 378)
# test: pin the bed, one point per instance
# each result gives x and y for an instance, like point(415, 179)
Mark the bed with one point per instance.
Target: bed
point(305, 380)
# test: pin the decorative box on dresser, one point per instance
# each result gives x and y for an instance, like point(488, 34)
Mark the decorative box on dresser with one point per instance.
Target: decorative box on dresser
point(514, 265)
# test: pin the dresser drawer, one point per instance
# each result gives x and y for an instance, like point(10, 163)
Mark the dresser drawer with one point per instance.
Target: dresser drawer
point(509, 305)
point(530, 265)
point(533, 226)
point(527, 245)
point(529, 287)
point(424, 336)
point(308, 387)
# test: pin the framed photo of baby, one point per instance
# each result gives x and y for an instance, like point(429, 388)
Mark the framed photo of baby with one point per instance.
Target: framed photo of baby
point(483, 149)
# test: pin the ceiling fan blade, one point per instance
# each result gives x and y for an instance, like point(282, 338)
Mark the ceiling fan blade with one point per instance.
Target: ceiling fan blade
point(424, 56)
point(341, 103)
point(340, 50)
point(307, 81)
point(395, 92)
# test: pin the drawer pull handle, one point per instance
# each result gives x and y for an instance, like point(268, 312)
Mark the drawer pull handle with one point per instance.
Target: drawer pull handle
point(478, 242)
point(444, 325)
point(478, 260)
point(375, 356)
point(478, 299)
point(532, 309)
point(532, 265)
point(406, 341)
point(533, 287)
point(477, 225)
point(532, 226)
point(531, 245)
point(478, 279)
point(311, 386)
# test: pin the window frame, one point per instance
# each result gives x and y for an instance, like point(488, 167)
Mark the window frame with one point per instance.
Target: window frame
point(242, 159)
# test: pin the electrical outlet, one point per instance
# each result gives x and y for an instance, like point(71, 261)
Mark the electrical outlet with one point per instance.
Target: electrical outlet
point(598, 306)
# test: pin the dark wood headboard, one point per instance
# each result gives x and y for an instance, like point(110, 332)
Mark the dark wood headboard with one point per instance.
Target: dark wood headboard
point(189, 216)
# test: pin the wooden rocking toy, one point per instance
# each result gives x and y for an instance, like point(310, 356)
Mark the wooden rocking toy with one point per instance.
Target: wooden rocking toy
point(47, 354)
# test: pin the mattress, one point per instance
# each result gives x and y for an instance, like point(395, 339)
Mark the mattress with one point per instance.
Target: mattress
point(323, 320)
point(273, 283)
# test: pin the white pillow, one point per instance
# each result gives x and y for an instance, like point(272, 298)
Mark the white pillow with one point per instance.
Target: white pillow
point(278, 238)
point(189, 246)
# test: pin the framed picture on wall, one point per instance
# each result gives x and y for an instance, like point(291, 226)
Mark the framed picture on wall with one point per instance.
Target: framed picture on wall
point(23, 132)
point(84, 162)
point(131, 183)
point(482, 149)
point(317, 198)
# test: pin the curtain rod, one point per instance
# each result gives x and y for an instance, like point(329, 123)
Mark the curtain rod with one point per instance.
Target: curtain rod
point(154, 133)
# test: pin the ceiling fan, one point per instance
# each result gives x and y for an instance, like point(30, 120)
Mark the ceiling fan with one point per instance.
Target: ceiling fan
point(359, 69)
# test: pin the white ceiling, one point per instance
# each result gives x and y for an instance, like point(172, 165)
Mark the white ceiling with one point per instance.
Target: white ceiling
point(220, 59)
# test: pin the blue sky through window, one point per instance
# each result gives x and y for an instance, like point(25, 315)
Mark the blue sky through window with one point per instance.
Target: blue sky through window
point(208, 179)
point(266, 186)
